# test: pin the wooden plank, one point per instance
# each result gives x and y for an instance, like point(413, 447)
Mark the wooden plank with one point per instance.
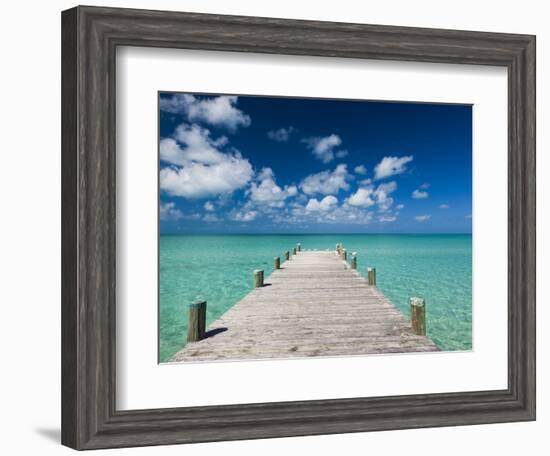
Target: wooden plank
point(314, 305)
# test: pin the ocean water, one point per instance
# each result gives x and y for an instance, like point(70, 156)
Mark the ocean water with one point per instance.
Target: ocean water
point(218, 268)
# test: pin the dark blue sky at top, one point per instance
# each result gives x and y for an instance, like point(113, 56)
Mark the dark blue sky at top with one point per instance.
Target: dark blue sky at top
point(437, 136)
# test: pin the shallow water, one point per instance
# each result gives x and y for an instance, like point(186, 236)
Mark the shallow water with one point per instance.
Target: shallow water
point(218, 268)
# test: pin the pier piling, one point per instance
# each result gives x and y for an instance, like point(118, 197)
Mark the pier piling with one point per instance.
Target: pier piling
point(287, 255)
point(197, 321)
point(418, 315)
point(354, 262)
point(371, 276)
point(277, 263)
point(258, 278)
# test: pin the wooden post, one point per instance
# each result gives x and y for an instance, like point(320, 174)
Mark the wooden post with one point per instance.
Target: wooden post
point(287, 255)
point(258, 278)
point(371, 275)
point(418, 316)
point(294, 251)
point(299, 247)
point(354, 262)
point(345, 255)
point(277, 263)
point(197, 321)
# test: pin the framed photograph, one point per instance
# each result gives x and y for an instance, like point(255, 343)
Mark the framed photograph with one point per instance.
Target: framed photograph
point(279, 228)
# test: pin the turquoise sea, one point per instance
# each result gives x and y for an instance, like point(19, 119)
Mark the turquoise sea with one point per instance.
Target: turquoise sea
point(218, 268)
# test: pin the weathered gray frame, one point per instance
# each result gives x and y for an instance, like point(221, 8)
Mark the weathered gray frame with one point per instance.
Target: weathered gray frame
point(90, 36)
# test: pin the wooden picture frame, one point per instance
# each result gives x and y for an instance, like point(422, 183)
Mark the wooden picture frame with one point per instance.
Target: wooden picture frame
point(90, 37)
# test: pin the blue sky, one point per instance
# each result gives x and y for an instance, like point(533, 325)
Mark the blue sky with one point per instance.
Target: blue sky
point(247, 164)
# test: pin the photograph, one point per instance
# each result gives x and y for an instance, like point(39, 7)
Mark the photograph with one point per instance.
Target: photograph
point(307, 227)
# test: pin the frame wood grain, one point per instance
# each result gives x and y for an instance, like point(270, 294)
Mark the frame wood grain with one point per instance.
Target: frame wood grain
point(90, 36)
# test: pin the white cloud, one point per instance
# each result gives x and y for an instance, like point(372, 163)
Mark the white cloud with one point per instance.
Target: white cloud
point(209, 206)
point(387, 218)
point(419, 194)
point(368, 196)
point(169, 211)
point(425, 186)
point(218, 111)
point(323, 147)
point(280, 135)
point(382, 194)
point(365, 182)
point(360, 169)
point(202, 169)
point(327, 182)
point(268, 192)
point(363, 197)
point(211, 218)
point(399, 206)
point(422, 218)
point(198, 180)
point(326, 204)
point(341, 153)
point(192, 143)
point(390, 166)
point(244, 216)
point(444, 206)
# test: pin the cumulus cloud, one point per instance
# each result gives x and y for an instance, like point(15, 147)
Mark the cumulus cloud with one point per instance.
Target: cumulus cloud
point(244, 216)
point(365, 182)
point(200, 168)
point(280, 135)
point(211, 218)
point(360, 169)
point(169, 211)
point(327, 182)
point(443, 206)
point(209, 206)
point(387, 218)
point(323, 147)
point(196, 145)
point(363, 197)
point(327, 211)
point(198, 180)
point(391, 166)
point(266, 191)
point(419, 194)
point(422, 218)
point(369, 196)
point(326, 204)
point(219, 111)
point(382, 194)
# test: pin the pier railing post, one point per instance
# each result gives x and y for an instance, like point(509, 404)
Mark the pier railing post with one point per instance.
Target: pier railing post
point(418, 315)
point(294, 251)
point(287, 255)
point(345, 255)
point(277, 263)
point(354, 262)
point(258, 278)
point(371, 276)
point(197, 321)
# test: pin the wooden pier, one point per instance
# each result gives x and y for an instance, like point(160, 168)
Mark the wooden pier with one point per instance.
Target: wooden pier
point(316, 304)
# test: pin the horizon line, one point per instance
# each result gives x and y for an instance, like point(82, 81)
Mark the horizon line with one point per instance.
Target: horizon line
point(309, 234)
